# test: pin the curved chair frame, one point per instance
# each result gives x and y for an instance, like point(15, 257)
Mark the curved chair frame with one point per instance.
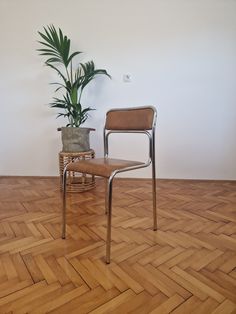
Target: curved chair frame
point(150, 132)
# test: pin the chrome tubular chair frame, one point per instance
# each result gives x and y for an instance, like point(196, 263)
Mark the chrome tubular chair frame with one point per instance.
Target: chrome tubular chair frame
point(150, 132)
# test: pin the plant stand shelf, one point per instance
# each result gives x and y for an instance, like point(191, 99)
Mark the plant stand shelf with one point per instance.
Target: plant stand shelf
point(76, 182)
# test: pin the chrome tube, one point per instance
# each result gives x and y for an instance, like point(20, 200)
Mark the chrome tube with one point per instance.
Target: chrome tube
point(106, 195)
point(154, 182)
point(105, 142)
point(109, 213)
point(64, 205)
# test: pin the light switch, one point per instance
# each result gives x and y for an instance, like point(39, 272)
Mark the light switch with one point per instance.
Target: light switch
point(127, 78)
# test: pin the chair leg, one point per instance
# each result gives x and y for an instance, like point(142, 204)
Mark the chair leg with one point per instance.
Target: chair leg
point(109, 212)
point(106, 196)
point(64, 205)
point(154, 202)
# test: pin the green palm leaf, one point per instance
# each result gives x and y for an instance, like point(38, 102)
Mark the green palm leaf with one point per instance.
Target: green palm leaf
point(55, 46)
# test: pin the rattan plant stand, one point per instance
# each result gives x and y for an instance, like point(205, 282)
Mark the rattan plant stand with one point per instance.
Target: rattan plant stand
point(76, 182)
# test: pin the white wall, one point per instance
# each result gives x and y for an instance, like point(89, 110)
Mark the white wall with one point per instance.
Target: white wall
point(182, 58)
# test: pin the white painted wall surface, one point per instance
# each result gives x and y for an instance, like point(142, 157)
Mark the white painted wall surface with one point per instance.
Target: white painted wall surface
point(182, 58)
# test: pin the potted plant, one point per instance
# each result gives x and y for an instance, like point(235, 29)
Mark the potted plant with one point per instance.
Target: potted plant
point(56, 48)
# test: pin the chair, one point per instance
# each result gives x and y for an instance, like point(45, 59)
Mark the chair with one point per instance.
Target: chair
point(140, 120)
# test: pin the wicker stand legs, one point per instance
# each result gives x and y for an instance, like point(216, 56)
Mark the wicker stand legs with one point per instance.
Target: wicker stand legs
point(76, 182)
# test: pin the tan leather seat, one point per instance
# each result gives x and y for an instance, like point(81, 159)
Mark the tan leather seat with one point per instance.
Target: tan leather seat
point(101, 166)
point(139, 120)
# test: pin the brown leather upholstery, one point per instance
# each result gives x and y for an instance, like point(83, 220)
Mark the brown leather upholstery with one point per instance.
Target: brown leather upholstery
point(130, 119)
point(101, 166)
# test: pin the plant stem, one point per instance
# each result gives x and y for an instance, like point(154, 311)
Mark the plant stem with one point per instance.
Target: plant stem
point(71, 74)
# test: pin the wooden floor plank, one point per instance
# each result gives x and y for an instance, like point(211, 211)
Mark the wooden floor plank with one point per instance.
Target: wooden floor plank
point(112, 305)
point(187, 266)
point(169, 305)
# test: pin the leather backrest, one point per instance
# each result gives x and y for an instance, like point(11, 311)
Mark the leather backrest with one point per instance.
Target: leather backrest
point(138, 118)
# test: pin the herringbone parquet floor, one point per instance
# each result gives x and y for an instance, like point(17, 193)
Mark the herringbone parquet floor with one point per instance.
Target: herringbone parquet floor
point(187, 266)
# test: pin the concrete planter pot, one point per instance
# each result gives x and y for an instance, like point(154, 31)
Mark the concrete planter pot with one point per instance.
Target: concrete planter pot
point(75, 139)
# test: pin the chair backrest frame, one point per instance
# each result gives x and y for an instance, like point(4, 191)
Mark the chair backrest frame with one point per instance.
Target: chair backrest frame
point(147, 126)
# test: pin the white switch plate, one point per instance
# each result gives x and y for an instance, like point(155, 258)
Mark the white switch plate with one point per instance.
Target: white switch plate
point(127, 78)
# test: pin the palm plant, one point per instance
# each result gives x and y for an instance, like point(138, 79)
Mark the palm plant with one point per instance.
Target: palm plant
point(56, 47)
